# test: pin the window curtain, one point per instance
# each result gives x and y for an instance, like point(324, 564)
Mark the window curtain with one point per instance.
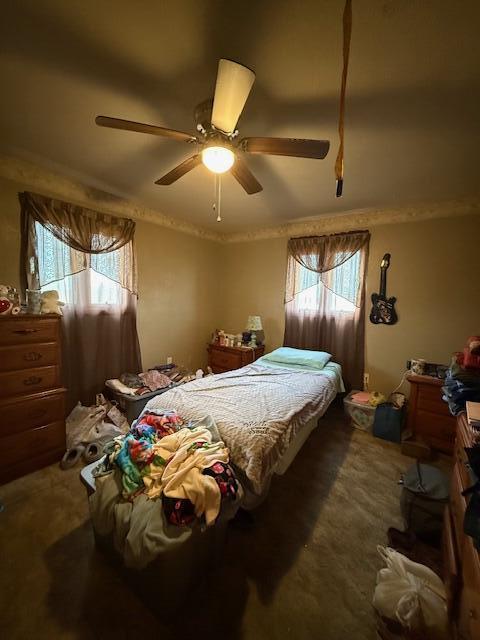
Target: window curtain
point(325, 298)
point(89, 257)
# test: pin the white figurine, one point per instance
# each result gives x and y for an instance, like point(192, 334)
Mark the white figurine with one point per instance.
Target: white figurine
point(51, 303)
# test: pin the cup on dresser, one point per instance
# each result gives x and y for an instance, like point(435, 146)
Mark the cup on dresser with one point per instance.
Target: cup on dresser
point(34, 301)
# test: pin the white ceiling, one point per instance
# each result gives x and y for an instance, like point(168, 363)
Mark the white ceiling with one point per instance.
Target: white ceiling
point(412, 127)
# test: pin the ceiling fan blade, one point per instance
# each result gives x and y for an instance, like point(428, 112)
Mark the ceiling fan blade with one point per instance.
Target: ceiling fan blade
point(244, 176)
point(294, 147)
point(234, 82)
point(128, 125)
point(180, 170)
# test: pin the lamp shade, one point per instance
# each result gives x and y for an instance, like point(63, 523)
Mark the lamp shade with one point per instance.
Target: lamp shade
point(254, 323)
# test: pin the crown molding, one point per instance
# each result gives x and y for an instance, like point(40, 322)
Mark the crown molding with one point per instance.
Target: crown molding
point(361, 219)
point(51, 183)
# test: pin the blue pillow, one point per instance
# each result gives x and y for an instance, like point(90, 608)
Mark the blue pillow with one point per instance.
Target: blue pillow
point(303, 357)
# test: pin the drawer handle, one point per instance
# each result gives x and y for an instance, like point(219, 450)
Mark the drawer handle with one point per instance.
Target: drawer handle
point(32, 356)
point(25, 331)
point(472, 614)
point(32, 380)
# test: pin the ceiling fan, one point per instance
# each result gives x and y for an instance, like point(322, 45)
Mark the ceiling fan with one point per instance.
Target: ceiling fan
point(218, 147)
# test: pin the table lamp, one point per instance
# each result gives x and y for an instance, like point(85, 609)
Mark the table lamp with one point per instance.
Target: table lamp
point(254, 324)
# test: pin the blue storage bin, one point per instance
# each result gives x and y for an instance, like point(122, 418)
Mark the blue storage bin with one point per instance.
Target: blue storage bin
point(388, 422)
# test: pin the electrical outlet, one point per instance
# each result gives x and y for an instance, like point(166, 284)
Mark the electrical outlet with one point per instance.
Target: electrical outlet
point(169, 359)
point(366, 381)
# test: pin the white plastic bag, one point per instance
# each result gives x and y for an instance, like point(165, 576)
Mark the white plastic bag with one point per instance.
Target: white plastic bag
point(412, 594)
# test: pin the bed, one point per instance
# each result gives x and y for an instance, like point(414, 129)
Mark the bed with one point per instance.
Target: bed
point(264, 412)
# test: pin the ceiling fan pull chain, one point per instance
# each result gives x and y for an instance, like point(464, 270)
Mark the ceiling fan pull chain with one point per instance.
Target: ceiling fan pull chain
point(347, 34)
point(218, 197)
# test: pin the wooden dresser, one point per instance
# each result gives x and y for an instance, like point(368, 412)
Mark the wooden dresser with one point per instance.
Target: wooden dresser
point(460, 558)
point(222, 359)
point(32, 400)
point(428, 415)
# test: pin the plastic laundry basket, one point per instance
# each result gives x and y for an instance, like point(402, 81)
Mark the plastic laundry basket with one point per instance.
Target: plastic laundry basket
point(362, 415)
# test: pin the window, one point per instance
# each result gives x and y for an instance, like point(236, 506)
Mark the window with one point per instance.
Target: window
point(343, 282)
point(69, 271)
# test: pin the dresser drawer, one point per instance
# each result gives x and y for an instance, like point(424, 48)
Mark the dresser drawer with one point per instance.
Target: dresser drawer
point(462, 461)
point(458, 506)
point(219, 369)
point(20, 330)
point(224, 360)
point(19, 447)
point(32, 411)
point(430, 399)
point(28, 356)
point(434, 424)
point(15, 383)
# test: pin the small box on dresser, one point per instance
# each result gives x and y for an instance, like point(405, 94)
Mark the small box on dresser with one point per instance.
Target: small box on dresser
point(32, 398)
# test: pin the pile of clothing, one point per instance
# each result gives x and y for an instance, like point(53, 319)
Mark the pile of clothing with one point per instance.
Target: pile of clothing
point(462, 381)
point(161, 482)
point(184, 464)
point(160, 377)
point(162, 475)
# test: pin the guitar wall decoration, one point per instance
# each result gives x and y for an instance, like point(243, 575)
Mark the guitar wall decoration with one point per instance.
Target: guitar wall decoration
point(383, 308)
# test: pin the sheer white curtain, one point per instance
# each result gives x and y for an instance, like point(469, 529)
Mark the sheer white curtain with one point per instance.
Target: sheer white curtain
point(97, 285)
point(80, 278)
point(325, 296)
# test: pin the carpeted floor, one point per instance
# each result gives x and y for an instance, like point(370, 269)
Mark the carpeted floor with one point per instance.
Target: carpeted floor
point(306, 570)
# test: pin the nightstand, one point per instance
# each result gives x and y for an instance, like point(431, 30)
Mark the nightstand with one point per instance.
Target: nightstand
point(222, 359)
point(428, 415)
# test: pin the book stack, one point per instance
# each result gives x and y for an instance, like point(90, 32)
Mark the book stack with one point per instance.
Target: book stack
point(473, 414)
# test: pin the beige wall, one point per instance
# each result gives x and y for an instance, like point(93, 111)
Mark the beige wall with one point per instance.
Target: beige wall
point(177, 305)
point(434, 273)
point(253, 283)
point(189, 285)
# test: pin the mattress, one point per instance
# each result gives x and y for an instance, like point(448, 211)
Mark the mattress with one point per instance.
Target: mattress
point(259, 410)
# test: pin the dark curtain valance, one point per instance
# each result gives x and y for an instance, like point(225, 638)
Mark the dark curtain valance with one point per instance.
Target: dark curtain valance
point(80, 228)
point(320, 254)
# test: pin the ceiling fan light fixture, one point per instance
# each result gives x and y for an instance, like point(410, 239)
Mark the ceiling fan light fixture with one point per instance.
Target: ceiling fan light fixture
point(218, 159)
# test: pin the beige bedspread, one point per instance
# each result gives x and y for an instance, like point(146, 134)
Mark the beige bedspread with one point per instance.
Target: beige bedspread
point(258, 411)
